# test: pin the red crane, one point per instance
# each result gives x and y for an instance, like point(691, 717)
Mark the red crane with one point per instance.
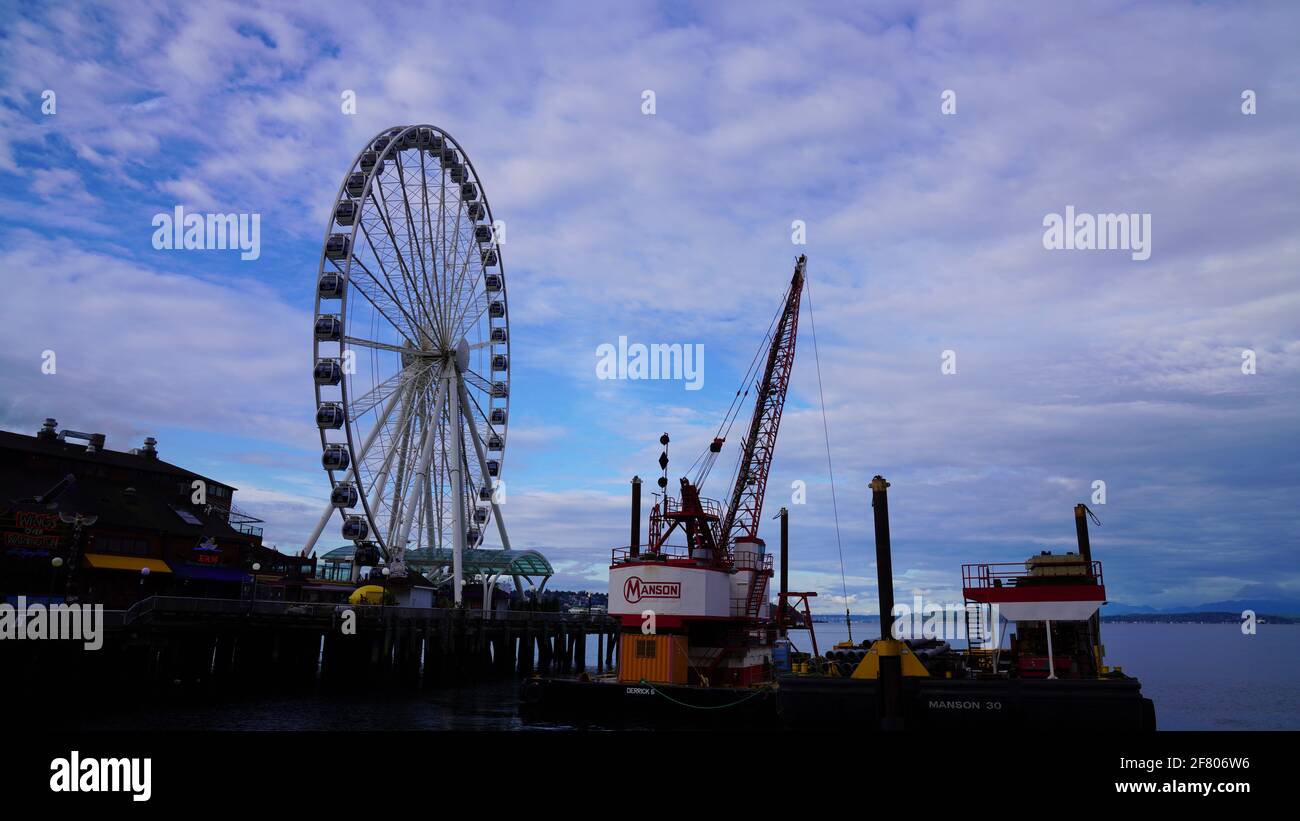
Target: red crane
point(713, 532)
point(746, 507)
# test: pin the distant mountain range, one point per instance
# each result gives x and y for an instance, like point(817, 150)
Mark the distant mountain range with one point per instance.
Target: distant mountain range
point(1271, 607)
point(1261, 606)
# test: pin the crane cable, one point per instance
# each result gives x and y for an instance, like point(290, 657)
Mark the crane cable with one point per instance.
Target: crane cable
point(707, 458)
point(758, 370)
point(844, 586)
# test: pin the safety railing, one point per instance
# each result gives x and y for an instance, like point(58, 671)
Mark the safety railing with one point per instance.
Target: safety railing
point(1011, 574)
point(747, 560)
point(672, 504)
point(665, 553)
point(179, 605)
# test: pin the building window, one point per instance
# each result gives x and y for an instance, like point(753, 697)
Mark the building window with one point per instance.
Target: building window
point(645, 648)
point(121, 545)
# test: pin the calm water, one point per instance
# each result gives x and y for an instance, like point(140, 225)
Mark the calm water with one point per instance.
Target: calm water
point(1201, 676)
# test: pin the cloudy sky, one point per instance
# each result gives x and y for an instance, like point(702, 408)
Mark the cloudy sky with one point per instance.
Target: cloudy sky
point(924, 233)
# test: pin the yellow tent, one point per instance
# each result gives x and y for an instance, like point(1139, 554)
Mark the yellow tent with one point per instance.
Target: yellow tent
point(367, 594)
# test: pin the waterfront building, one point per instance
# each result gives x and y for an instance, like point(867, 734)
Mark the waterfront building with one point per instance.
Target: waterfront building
point(81, 521)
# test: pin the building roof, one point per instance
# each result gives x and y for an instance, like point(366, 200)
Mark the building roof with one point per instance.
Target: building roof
point(30, 467)
point(147, 508)
point(492, 561)
point(76, 451)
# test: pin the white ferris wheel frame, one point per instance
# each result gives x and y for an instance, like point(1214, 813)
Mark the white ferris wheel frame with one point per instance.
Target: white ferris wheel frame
point(434, 392)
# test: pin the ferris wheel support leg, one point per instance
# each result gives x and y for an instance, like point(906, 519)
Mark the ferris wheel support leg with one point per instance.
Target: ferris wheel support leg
point(377, 492)
point(482, 463)
point(397, 550)
point(381, 483)
point(397, 510)
point(455, 388)
point(429, 524)
point(310, 544)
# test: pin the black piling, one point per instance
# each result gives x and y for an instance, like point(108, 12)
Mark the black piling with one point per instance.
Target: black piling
point(891, 663)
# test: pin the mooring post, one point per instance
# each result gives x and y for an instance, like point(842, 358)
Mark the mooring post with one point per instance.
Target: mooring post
point(526, 649)
point(635, 543)
point(891, 663)
point(1081, 514)
point(785, 571)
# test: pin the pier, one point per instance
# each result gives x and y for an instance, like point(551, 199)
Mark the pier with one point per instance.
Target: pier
point(168, 643)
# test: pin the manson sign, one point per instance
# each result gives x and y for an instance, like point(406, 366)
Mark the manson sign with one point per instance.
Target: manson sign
point(634, 590)
point(669, 591)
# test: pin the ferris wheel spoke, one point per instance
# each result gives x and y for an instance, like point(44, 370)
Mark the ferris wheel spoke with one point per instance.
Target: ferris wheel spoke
point(473, 378)
point(467, 321)
point(385, 218)
point(471, 243)
point(440, 267)
point(375, 233)
point(413, 237)
point(359, 342)
point(377, 394)
point(432, 289)
point(385, 306)
point(487, 476)
point(470, 398)
point(456, 248)
point(412, 328)
point(393, 248)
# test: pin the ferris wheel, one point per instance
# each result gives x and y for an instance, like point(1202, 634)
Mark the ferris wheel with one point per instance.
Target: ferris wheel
point(411, 351)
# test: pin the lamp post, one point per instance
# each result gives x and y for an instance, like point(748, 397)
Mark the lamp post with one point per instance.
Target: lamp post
point(55, 564)
point(78, 521)
point(256, 567)
point(144, 574)
point(383, 598)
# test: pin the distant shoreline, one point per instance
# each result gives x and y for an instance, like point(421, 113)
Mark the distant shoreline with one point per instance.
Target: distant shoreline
point(1197, 618)
point(1208, 617)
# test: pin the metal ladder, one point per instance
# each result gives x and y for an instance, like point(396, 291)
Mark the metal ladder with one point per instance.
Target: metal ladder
point(757, 593)
point(978, 637)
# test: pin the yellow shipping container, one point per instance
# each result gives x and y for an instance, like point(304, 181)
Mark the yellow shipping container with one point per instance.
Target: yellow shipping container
point(658, 659)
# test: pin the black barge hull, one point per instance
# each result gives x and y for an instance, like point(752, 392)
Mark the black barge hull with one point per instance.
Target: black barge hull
point(618, 705)
point(814, 702)
point(844, 705)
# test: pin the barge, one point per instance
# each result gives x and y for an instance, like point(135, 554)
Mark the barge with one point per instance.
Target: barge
point(701, 644)
point(1049, 675)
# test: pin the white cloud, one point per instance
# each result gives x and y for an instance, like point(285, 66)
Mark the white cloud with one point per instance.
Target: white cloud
point(924, 235)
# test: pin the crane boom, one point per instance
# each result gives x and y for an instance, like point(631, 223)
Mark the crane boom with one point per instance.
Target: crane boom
point(746, 508)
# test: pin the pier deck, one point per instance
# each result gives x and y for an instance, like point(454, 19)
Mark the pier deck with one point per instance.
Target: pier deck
point(226, 645)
